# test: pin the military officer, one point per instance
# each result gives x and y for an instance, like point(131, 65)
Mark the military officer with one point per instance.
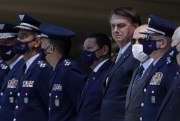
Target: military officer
point(34, 75)
point(96, 54)
point(169, 109)
point(135, 90)
point(8, 89)
point(156, 45)
point(67, 79)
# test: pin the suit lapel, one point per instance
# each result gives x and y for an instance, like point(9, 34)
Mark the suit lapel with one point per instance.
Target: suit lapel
point(129, 89)
point(140, 83)
point(123, 57)
point(93, 81)
point(11, 73)
point(28, 72)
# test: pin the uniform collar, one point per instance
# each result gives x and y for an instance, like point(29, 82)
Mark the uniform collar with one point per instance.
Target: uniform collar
point(14, 62)
point(30, 61)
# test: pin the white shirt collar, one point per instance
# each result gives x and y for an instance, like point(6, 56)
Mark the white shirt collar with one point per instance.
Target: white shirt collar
point(99, 65)
point(14, 62)
point(155, 61)
point(122, 50)
point(30, 61)
point(147, 63)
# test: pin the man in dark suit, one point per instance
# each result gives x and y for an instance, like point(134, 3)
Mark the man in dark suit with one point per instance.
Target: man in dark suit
point(169, 109)
point(96, 54)
point(8, 93)
point(34, 75)
point(135, 90)
point(67, 79)
point(156, 45)
point(123, 21)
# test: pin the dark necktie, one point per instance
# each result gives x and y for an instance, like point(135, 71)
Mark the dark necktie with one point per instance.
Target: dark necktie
point(87, 82)
point(138, 76)
point(23, 71)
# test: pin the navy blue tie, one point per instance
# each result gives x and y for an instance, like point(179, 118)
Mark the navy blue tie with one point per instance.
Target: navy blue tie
point(138, 76)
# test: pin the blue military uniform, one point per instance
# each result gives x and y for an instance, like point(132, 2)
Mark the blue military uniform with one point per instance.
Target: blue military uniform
point(8, 92)
point(91, 97)
point(8, 89)
point(159, 80)
point(6, 31)
point(67, 79)
point(32, 92)
point(33, 81)
point(169, 110)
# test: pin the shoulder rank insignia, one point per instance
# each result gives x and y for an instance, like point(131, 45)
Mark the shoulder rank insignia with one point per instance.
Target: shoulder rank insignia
point(67, 62)
point(4, 66)
point(171, 57)
point(42, 64)
point(156, 78)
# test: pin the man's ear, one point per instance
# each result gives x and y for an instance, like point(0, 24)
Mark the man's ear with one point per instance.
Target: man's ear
point(163, 43)
point(105, 50)
point(37, 42)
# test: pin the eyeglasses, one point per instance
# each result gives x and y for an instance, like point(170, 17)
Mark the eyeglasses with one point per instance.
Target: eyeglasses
point(140, 40)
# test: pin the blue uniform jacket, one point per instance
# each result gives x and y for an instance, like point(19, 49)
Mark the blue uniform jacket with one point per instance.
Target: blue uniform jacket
point(157, 85)
point(4, 69)
point(65, 87)
point(8, 93)
point(169, 109)
point(32, 92)
point(91, 99)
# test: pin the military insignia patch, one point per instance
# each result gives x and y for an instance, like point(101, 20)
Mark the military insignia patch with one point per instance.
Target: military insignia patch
point(57, 102)
point(42, 64)
point(67, 62)
point(25, 100)
point(57, 87)
point(11, 99)
point(21, 17)
point(4, 67)
point(28, 83)
point(156, 78)
point(12, 83)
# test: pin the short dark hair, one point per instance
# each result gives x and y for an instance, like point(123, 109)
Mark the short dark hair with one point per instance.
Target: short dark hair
point(101, 40)
point(62, 45)
point(129, 13)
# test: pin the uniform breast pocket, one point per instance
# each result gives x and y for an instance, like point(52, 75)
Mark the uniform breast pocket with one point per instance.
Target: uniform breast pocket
point(156, 95)
point(27, 94)
point(57, 97)
point(9, 97)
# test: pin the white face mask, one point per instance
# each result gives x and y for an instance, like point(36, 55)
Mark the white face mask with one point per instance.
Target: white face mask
point(137, 50)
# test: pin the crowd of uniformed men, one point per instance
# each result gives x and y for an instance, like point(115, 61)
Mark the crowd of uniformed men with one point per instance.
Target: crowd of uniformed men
point(40, 82)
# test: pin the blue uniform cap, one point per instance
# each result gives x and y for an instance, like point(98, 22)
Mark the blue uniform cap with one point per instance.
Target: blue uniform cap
point(7, 30)
point(27, 22)
point(53, 31)
point(159, 26)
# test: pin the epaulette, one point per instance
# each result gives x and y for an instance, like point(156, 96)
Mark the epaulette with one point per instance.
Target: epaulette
point(4, 66)
point(42, 64)
point(67, 63)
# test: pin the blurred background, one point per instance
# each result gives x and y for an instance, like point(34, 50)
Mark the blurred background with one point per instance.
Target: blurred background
point(85, 16)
